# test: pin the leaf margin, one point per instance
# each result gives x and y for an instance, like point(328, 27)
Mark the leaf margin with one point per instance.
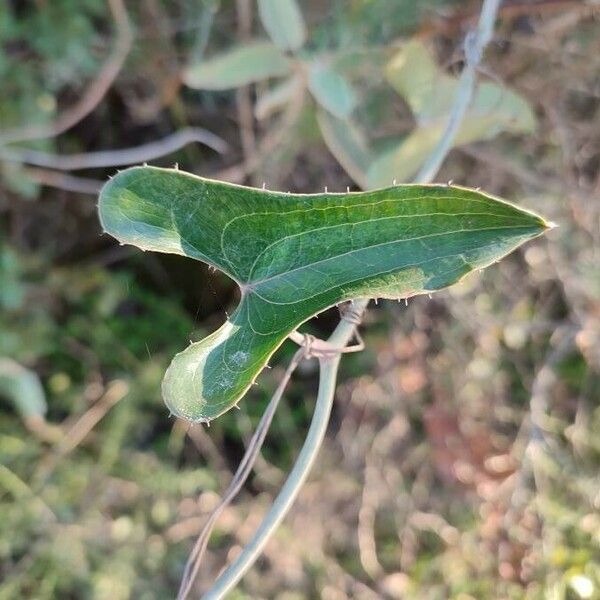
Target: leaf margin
point(175, 404)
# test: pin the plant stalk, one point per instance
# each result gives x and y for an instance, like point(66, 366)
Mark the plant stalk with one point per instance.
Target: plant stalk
point(327, 384)
point(475, 44)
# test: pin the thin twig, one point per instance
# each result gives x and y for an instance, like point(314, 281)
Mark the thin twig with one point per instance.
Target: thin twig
point(310, 347)
point(474, 46)
point(538, 441)
point(327, 383)
point(111, 158)
point(21, 490)
point(242, 97)
point(544, 381)
point(242, 473)
point(115, 392)
point(93, 94)
point(63, 181)
point(269, 143)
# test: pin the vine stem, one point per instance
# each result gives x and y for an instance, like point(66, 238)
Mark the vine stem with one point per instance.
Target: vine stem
point(327, 383)
point(474, 46)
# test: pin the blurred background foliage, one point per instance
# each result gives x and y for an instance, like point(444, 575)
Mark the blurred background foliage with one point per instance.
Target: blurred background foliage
point(462, 459)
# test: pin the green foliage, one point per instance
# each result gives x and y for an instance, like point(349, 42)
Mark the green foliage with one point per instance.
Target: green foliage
point(296, 255)
point(240, 66)
point(430, 93)
point(79, 327)
point(331, 90)
point(35, 63)
point(328, 75)
point(22, 386)
point(86, 308)
point(284, 23)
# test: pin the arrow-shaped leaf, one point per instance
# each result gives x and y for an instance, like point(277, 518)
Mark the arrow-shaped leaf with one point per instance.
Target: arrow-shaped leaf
point(294, 255)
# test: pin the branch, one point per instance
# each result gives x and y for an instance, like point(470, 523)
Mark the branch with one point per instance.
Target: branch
point(327, 383)
point(94, 93)
point(242, 473)
point(62, 181)
point(243, 97)
point(474, 46)
point(538, 442)
point(124, 156)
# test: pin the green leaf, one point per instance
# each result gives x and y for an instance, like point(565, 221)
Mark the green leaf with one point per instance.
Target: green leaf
point(284, 23)
point(430, 93)
point(276, 98)
point(482, 123)
point(23, 387)
point(294, 255)
point(242, 65)
point(414, 74)
point(348, 144)
point(331, 90)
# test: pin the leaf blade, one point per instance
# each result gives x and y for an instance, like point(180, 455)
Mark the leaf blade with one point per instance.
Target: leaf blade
point(239, 66)
point(276, 98)
point(430, 93)
point(348, 144)
point(23, 387)
point(295, 255)
point(284, 23)
point(331, 90)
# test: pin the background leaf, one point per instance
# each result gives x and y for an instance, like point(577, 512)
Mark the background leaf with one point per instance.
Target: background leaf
point(348, 144)
point(331, 90)
point(483, 122)
point(284, 23)
point(277, 97)
point(430, 93)
point(295, 255)
point(23, 388)
point(242, 65)
point(414, 74)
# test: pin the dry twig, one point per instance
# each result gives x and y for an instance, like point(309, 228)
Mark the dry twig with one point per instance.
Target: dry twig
point(121, 157)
